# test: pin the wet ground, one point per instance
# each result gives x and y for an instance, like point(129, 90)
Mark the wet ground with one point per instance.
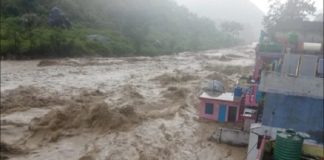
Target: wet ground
point(116, 108)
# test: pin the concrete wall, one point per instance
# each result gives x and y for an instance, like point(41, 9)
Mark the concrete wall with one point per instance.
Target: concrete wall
point(255, 130)
point(231, 136)
point(252, 150)
point(247, 124)
point(272, 82)
point(264, 57)
point(299, 113)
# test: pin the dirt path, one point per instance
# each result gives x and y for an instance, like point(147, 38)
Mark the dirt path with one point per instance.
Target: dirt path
point(115, 108)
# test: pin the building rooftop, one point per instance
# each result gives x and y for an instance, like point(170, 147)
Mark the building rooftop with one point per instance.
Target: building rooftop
point(273, 82)
point(227, 96)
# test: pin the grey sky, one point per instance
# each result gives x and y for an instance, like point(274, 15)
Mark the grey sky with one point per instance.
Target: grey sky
point(263, 4)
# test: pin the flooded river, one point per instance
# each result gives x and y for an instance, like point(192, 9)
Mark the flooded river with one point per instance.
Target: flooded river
point(116, 108)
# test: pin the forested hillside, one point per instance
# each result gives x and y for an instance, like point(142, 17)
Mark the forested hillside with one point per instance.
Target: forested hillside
point(38, 29)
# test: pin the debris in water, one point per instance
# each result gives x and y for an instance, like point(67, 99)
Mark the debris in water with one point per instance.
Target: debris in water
point(6, 150)
point(24, 98)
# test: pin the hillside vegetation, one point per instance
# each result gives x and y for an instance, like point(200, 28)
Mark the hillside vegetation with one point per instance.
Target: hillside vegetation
point(104, 28)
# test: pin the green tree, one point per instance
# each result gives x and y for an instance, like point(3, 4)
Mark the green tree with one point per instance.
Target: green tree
point(149, 27)
point(292, 10)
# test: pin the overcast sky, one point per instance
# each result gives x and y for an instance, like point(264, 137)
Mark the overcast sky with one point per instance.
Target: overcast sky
point(263, 4)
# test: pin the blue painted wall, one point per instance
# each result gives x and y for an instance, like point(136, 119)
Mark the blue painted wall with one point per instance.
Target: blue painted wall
point(300, 113)
point(222, 113)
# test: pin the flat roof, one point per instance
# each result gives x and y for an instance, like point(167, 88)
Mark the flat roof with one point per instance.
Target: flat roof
point(228, 96)
point(273, 82)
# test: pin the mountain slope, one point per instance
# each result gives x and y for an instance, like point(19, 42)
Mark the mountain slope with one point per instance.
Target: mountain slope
point(122, 27)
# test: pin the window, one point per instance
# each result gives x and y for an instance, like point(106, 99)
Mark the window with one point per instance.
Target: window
point(209, 108)
point(320, 68)
point(308, 65)
point(290, 64)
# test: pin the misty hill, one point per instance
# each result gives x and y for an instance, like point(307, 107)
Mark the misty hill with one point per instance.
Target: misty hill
point(61, 28)
point(242, 11)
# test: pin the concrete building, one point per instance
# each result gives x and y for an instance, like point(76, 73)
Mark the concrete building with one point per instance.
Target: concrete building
point(294, 96)
point(291, 80)
point(292, 100)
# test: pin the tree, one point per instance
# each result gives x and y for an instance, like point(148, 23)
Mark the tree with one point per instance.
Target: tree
point(292, 10)
point(140, 27)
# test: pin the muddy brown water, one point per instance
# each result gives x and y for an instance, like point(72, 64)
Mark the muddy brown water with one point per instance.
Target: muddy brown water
point(56, 109)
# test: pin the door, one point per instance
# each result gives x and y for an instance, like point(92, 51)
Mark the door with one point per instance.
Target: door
point(222, 113)
point(232, 114)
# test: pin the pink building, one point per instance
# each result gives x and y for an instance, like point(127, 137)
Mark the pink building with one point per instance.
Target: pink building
point(221, 108)
point(250, 98)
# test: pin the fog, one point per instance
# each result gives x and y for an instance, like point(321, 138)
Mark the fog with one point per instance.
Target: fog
point(128, 27)
point(230, 10)
point(247, 12)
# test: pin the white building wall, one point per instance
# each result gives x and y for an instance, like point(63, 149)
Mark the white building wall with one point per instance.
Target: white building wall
point(255, 130)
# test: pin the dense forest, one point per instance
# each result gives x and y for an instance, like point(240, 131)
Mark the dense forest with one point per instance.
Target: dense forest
point(69, 28)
